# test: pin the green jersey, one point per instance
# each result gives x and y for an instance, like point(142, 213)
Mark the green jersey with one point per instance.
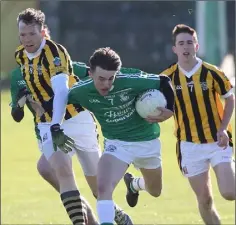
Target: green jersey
point(116, 112)
point(18, 82)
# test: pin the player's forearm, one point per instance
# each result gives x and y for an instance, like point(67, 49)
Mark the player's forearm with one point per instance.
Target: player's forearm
point(228, 112)
point(167, 90)
point(60, 88)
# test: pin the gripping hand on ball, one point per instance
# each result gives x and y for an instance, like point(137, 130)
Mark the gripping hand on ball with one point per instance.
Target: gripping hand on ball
point(164, 115)
point(60, 140)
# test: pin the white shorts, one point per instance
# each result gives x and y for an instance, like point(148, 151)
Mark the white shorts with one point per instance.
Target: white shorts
point(143, 154)
point(197, 158)
point(82, 128)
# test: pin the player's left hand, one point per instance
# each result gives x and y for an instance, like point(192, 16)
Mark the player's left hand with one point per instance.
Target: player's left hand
point(165, 114)
point(22, 97)
point(60, 140)
point(222, 138)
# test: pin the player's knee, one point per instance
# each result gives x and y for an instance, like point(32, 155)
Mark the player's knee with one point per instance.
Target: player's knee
point(43, 170)
point(64, 170)
point(105, 189)
point(205, 201)
point(229, 195)
point(155, 193)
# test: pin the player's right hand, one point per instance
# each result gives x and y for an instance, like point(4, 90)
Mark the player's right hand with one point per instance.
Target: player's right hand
point(22, 97)
point(60, 140)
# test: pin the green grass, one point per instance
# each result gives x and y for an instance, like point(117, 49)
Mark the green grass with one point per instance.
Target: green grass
point(27, 199)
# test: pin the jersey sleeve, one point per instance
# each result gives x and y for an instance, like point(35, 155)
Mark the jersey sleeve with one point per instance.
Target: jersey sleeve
point(17, 83)
point(57, 59)
point(222, 84)
point(80, 69)
point(74, 94)
point(144, 82)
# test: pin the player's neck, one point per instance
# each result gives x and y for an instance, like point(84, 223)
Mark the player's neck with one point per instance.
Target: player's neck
point(37, 53)
point(188, 66)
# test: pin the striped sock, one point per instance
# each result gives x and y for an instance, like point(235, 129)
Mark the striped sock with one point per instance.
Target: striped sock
point(137, 184)
point(74, 207)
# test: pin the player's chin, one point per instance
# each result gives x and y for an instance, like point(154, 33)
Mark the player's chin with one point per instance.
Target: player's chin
point(103, 92)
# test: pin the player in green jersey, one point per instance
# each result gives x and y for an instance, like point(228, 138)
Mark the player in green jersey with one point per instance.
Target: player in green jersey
point(19, 91)
point(110, 94)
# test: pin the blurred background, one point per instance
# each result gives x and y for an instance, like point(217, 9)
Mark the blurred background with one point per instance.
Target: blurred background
point(139, 31)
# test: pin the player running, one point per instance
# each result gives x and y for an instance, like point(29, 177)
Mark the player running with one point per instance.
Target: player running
point(110, 94)
point(46, 69)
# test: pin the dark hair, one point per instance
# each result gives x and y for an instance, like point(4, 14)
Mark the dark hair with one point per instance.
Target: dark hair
point(182, 28)
point(32, 16)
point(106, 58)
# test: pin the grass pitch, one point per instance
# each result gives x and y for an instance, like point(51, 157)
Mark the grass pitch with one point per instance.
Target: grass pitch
point(27, 199)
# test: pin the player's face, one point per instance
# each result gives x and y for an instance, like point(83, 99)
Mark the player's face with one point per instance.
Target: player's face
point(30, 36)
point(103, 80)
point(185, 47)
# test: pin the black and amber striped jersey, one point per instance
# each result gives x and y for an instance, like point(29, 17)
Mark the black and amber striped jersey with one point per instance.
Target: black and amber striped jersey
point(38, 71)
point(198, 107)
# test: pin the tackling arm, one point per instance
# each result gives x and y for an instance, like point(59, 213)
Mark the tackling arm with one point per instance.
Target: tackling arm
point(167, 89)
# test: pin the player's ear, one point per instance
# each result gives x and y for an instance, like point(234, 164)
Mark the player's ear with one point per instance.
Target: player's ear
point(89, 73)
point(174, 49)
point(197, 47)
point(43, 32)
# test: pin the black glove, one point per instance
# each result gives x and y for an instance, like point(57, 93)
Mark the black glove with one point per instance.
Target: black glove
point(60, 140)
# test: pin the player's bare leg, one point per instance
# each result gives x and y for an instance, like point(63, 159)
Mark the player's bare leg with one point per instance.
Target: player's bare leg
point(225, 174)
point(61, 165)
point(151, 182)
point(89, 162)
point(110, 172)
point(201, 185)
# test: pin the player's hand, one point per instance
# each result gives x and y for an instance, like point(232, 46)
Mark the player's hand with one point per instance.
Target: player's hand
point(36, 106)
point(60, 140)
point(222, 138)
point(165, 114)
point(22, 96)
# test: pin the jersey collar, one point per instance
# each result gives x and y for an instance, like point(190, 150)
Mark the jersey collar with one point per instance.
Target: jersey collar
point(194, 69)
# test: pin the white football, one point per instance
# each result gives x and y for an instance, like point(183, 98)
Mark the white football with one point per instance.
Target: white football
point(147, 103)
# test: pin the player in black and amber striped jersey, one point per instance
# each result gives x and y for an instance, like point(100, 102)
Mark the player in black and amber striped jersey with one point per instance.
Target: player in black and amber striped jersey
point(87, 158)
point(46, 68)
point(202, 123)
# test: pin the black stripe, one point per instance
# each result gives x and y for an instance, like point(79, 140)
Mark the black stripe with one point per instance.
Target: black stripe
point(196, 113)
point(42, 80)
point(67, 115)
point(208, 104)
point(53, 47)
point(79, 221)
point(74, 207)
point(42, 118)
point(37, 92)
point(220, 82)
point(76, 200)
point(179, 95)
point(70, 67)
point(44, 84)
point(231, 144)
point(176, 113)
point(178, 154)
point(76, 214)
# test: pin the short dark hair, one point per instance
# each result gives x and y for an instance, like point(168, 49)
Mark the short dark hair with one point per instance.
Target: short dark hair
point(32, 16)
point(182, 28)
point(106, 58)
